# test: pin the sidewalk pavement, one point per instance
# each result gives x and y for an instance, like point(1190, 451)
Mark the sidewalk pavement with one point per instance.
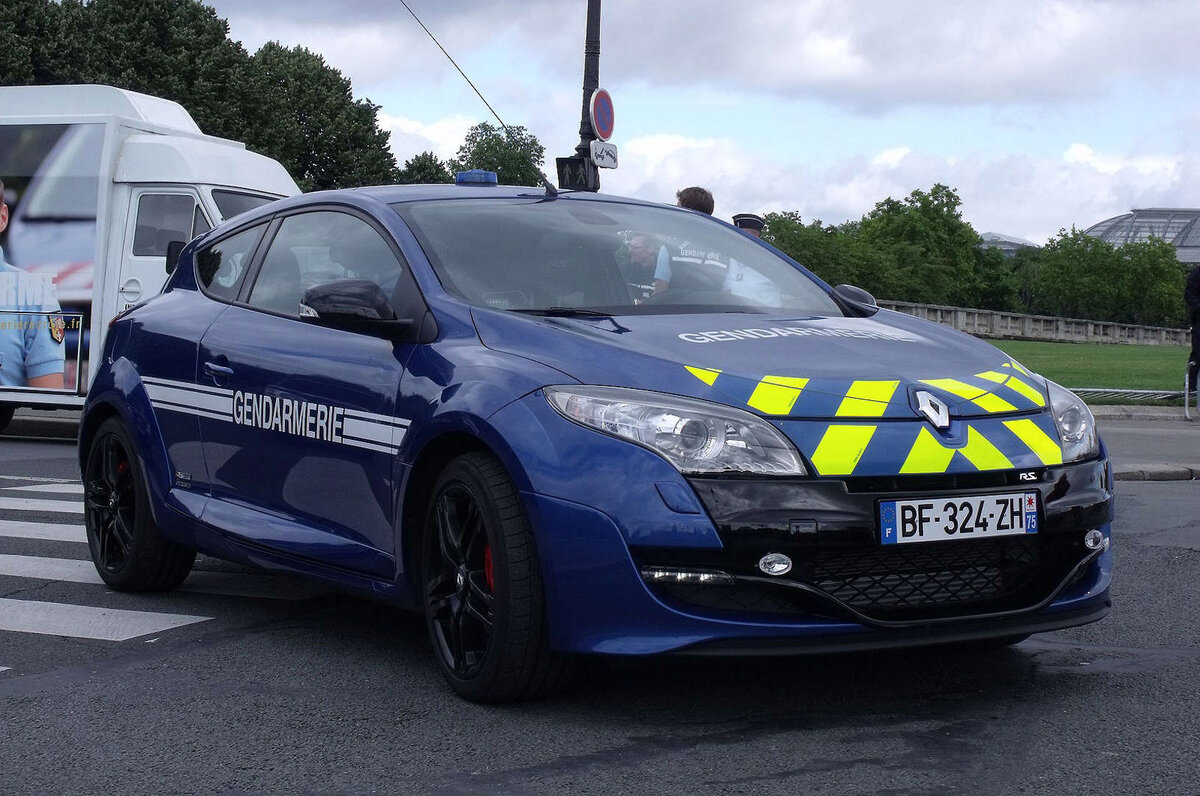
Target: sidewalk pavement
point(64, 425)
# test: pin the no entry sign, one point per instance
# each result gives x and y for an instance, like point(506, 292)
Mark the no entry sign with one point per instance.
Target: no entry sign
point(602, 114)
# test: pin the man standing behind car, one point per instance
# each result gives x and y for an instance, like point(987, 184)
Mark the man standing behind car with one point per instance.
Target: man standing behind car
point(1191, 297)
point(31, 330)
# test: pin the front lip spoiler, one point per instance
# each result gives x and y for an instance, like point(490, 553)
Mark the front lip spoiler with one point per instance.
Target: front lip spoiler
point(847, 612)
point(897, 639)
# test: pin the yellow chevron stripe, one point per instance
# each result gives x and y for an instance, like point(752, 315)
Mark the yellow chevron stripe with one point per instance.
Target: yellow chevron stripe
point(840, 450)
point(776, 395)
point(985, 400)
point(706, 375)
point(1027, 390)
point(867, 398)
point(1041, 443)
point(928, 455)
point(982, 453)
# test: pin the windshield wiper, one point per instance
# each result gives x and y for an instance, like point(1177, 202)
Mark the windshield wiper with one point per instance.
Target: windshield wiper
point(566, 312)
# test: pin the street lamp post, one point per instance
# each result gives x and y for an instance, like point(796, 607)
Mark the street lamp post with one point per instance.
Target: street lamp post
point(579, 172)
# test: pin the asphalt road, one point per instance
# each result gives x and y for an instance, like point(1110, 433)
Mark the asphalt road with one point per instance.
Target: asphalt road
point(252, 683)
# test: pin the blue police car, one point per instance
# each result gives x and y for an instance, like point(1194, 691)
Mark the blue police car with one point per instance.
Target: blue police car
point(577, 424)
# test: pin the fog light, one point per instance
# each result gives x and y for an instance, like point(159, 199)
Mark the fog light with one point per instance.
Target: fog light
point(1093, 539)
point(708, 577)
point(775, 564)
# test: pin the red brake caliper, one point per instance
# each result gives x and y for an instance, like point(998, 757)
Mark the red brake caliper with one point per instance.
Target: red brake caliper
point(487, 568)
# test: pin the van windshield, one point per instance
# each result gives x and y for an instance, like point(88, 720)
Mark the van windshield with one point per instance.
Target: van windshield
point(567, 256)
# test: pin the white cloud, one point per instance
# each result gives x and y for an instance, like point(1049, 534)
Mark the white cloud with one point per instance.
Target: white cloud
point(410, 136)
point(890, 157)
point(1111, 164)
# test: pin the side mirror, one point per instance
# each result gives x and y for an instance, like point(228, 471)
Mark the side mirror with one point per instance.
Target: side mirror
point(174, 249)
point(354, 305)
point(859, 301)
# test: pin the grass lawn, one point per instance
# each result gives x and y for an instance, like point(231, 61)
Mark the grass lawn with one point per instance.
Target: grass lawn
point(1122, 367)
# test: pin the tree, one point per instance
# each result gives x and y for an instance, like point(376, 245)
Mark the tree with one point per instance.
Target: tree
point(516, 156)
point(287, 104)
point(325, 137)
point(425, 169)
point(934, 248)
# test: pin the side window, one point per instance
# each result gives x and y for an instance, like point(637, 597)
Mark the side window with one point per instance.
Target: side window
point(162, 218)
point(318, 247)
point(220, 267)
point(200, 224)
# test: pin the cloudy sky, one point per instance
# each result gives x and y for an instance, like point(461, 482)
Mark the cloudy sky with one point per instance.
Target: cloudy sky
point(1041, 114)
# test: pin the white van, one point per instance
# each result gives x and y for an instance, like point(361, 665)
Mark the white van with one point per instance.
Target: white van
point(98, 182)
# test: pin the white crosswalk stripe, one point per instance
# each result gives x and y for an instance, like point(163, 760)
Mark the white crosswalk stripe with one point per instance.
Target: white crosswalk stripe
point(46, 531)
point(51, 489)
point(82, 621)
point(4, 668)
point(228, 584)
point(85, 621)
point(34, 504)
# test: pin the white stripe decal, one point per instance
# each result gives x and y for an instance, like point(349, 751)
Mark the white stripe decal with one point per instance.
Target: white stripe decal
point(199, 400)
point(368, 446)
point(31, 504)
point(296, 416)
point(44, 531)
point(80, 621)
point(54, 489)
point(187, 410)
point(187, 385)
point(357, 429)
point(390, 421)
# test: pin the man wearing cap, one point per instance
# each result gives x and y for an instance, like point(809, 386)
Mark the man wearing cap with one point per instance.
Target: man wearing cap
point(742, 280)
point(750, 224)
point(31, 330)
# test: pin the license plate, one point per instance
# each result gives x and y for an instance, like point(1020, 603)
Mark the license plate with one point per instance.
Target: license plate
point(963, 517)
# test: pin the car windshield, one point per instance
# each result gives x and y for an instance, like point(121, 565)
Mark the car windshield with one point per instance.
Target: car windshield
point(568, 256)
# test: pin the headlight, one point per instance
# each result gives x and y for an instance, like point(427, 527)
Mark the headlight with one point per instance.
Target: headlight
point(695, 436)
point(1076, 426)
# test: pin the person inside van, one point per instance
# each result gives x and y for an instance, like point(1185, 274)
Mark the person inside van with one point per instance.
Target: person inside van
point(31, 328)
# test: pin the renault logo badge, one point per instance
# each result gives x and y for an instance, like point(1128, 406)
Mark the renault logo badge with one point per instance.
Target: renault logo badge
point(934, 410)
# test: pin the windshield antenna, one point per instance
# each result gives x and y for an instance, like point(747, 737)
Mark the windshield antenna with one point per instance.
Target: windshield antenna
point(550, 189)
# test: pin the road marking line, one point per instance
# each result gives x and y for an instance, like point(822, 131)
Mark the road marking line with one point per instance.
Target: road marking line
point(54, 489)
point(224, 584)
point(40, 479)
point(4, 668)
point(31, 504)
point(46, 531)
point(81, 621)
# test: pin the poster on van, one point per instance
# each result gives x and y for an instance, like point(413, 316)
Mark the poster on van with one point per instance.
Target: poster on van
point(51, 193)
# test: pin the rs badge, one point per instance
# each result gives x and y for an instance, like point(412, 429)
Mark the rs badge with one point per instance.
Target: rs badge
point(934, 410)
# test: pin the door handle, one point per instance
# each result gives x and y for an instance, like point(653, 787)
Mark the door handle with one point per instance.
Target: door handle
point(217, 371)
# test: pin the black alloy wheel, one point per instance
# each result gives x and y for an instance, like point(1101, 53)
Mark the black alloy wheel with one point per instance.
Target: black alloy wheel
point(482, 588)
point(129, 552)
point(110, 501)
point(460, 593)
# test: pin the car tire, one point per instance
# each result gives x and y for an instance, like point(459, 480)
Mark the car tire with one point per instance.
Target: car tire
point(127, 548)
point(482, 588)
point(6, 415)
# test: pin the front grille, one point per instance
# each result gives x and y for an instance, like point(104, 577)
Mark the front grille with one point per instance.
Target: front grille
point(896, 583)
point(944, 578)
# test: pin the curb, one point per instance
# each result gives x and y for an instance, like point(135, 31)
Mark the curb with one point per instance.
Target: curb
point(1155, 472)
point(1125, 412)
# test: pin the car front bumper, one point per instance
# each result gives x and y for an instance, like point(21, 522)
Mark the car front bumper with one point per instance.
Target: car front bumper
point(846, 590)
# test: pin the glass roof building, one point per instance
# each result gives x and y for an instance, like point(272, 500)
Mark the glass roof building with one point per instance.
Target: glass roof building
point(1178, 226)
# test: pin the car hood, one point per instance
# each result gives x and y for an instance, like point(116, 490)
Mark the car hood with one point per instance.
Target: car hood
point(779, 365)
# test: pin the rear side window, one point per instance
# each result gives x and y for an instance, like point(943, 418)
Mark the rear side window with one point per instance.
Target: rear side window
point(221, 267)
point(230, 203)
point(162, 218)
